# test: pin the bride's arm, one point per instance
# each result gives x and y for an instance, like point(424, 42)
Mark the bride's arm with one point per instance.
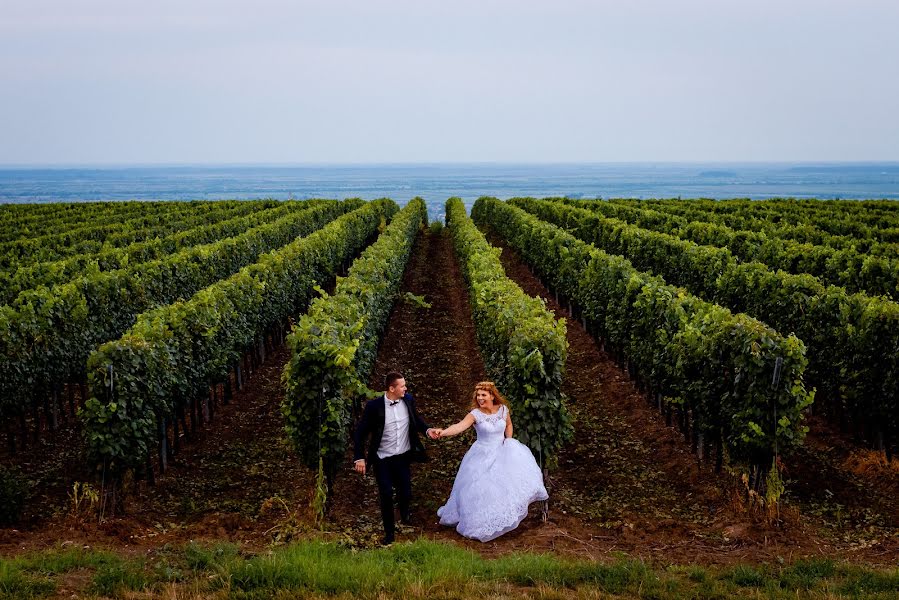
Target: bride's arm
point(459, 427)
point(508, 423)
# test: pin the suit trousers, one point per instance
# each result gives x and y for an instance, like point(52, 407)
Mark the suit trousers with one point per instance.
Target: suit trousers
point(393, 472)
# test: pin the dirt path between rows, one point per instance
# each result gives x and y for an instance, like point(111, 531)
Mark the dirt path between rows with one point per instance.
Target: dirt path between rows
point(435, 350)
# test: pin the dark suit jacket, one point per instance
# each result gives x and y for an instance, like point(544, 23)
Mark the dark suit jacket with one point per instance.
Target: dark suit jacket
point(372, 424)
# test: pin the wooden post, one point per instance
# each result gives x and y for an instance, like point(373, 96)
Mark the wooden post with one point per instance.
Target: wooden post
point(691, 425)
point(163, 446)
point(71, 390)
point(548, 484)
point(45, 400)
point(60, 396)
point(176, 443)
point(10, 437)
point(24, 424)
point(888, 445)
point(700, 444)
point(151, 476)
point(719, 452)
point(37, 420)
point(54, 410)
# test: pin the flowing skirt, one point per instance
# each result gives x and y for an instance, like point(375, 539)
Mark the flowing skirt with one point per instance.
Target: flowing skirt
point(492, 491)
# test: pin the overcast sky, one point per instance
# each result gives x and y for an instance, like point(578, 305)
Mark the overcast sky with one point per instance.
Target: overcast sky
point(219, 81)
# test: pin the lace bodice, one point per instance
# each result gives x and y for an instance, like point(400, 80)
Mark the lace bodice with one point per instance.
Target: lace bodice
point(490, 428)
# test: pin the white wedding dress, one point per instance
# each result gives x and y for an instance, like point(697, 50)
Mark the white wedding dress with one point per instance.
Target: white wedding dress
point(497, 480)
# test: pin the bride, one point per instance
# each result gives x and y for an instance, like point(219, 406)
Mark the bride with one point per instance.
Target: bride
point(498, 477)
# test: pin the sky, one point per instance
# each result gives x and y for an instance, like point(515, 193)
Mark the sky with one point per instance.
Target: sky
point(340, 81)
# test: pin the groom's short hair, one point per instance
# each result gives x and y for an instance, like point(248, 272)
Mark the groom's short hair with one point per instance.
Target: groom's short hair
point(392, 378)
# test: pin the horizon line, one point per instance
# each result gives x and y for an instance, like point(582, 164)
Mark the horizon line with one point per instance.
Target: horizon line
point(151, 165)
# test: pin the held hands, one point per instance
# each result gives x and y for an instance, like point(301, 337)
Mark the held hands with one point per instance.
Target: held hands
point(359, 465)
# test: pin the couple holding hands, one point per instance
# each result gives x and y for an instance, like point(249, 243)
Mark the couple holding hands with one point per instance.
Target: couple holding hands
point(497, 479)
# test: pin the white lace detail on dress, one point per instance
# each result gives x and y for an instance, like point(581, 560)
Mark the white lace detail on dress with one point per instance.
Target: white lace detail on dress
point(482, 417)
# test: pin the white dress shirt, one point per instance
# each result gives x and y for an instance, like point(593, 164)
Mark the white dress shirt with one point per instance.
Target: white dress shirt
point(396, 429)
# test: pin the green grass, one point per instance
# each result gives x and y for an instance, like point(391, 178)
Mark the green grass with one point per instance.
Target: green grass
point(746, 576)
point(806, 574)
point(113, 579)
point(63, 560)
point(426, 570)
point(859, 582)
point(15, 583)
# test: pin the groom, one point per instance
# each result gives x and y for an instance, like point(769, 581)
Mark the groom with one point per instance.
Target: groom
point(393, 423)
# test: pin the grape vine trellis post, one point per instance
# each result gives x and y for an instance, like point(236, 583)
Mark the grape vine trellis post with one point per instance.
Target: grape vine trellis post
point(775, 495)
point(323, 483)
point(544, 512)
point(104, 491)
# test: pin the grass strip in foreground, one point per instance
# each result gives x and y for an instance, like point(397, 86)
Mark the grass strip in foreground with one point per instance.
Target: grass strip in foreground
point(423, 569)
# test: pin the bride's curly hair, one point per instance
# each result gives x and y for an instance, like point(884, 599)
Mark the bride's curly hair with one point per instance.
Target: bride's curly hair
point(488, 386)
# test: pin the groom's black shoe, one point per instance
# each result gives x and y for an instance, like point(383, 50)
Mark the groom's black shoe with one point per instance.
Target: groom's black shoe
point(388, 539)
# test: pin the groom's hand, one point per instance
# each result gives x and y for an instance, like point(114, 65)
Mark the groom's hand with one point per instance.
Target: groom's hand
point(359, 465)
